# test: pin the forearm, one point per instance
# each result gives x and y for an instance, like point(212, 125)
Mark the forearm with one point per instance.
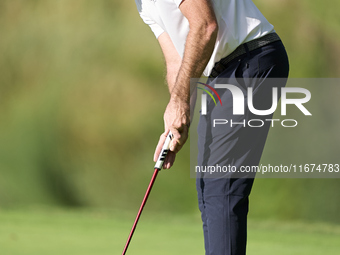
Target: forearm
point(196, 57)
point(172, 73)
point(172, 59)
point(199, 47)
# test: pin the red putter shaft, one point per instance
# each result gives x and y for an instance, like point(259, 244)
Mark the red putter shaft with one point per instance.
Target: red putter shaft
point(158, 167)
point(141, 209)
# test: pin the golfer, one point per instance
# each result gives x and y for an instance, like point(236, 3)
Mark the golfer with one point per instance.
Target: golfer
point(227, 39)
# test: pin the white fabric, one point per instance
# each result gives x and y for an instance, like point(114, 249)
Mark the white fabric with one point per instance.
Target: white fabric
point(239, 21)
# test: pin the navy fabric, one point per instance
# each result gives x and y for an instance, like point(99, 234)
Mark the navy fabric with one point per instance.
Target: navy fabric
point(223, 200)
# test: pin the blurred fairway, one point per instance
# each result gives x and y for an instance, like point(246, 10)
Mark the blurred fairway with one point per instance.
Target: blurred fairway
point(95, 232)
point(82, 95)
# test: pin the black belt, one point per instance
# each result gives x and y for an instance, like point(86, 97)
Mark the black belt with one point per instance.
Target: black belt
point(242, 49)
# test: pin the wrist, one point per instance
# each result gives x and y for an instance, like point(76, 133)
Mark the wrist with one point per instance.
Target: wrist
point(179, 99)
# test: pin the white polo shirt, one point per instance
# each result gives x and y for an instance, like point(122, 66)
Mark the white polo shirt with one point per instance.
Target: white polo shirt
point(239, 21)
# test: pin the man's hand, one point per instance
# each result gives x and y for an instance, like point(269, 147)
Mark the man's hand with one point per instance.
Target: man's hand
point(176, 120)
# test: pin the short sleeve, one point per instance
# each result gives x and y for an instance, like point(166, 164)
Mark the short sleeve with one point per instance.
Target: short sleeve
point(146, 17)
point(156, 29)
point(178, 2)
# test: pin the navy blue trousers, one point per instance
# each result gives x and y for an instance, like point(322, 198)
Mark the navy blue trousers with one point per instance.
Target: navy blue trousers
point(223, 201)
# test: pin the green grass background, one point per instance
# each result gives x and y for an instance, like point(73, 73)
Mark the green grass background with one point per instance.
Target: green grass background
point(71, 232)
point(82, 95)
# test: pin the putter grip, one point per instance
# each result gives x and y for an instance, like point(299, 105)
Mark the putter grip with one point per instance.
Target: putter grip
point(164, 151)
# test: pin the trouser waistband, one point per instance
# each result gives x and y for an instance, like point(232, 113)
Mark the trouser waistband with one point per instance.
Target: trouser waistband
point(243, 49)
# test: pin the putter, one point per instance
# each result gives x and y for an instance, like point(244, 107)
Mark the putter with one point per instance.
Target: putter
point(158, 167)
